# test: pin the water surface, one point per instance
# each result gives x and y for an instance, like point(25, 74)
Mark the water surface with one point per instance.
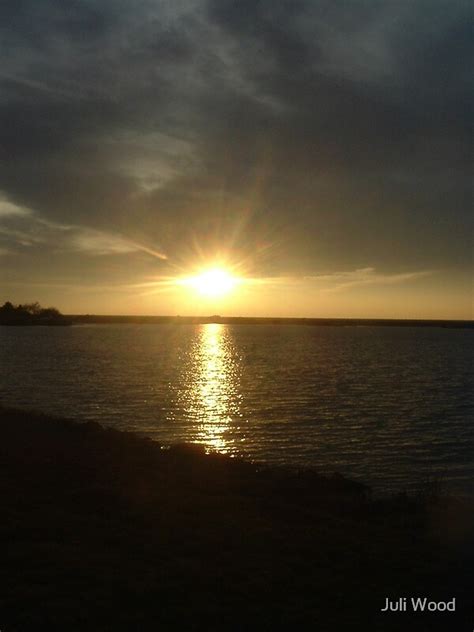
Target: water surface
point(391, 406)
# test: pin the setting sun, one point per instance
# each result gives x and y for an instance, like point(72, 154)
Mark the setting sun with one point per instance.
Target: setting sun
point(214, 282)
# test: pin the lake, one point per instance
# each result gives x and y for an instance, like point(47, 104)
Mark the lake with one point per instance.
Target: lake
point(390, 406)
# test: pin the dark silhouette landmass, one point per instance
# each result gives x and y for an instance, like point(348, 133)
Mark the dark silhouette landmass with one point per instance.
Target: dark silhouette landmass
point(31, 314)
point(34, 314)
point(245, 320)
point(104, 530)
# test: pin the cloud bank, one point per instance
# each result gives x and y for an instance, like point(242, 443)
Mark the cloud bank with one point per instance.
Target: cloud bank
point(297, 137)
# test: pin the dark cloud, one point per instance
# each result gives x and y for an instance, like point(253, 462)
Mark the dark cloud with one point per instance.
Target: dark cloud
point(300, 134)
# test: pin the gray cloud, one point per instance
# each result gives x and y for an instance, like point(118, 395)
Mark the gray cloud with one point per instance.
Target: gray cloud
point(365, 276)
point(23, 228)
point(300, 135)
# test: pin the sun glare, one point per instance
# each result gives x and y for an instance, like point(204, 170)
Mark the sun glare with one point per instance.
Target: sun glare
point(214, 282)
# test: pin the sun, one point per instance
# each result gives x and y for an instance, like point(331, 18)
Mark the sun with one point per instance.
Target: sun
point(213, 282)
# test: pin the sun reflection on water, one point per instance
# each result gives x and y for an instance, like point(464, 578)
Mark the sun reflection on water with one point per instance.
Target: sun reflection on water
point(213, 397)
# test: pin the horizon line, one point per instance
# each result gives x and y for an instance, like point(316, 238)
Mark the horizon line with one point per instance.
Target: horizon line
point(279, 318)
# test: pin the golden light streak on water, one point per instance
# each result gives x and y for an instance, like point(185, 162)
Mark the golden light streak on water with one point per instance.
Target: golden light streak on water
point(213, 396)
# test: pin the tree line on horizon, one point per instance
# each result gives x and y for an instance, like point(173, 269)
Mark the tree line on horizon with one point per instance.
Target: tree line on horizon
point(31, 314)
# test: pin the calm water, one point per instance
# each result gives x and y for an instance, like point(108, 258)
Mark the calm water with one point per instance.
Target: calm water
point(389, 406)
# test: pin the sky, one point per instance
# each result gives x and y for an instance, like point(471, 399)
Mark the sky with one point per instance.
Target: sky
point(319, 150)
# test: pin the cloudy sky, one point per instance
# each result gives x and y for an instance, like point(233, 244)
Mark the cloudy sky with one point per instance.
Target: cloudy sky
point(319, 148)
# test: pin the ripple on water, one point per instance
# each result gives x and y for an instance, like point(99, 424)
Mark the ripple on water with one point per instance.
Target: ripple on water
point(392, 406)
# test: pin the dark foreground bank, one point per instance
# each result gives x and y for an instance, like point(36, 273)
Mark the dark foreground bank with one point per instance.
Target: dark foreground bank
point(103, 530)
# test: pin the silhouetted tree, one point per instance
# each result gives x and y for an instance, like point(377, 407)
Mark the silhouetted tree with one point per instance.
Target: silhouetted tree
point(7, 308)
point(31, 314)
point(33, 308)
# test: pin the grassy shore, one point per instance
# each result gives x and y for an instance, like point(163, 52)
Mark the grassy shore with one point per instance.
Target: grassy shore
point(103, 530)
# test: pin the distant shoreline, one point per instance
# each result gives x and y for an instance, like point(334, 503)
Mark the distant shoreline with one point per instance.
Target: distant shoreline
point(246, 320)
